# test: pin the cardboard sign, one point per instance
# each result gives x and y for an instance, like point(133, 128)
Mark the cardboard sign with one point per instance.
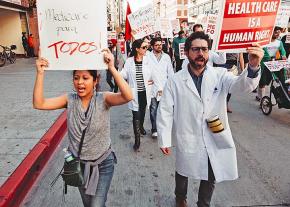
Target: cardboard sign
point(181, 51)
point(143, 22)
point(277, 65)
point(165, 28)
point(112, 35)
point(175, 25)
point(283, 16)
point(287, 38)
point(209, 24)
point(245, 22)
point(70, 36)
point(122, 45)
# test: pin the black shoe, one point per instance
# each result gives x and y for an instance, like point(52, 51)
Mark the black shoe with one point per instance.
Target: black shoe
point(143, 131)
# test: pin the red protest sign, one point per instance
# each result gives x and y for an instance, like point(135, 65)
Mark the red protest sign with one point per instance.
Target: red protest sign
point(245, 22)
point(122, 46)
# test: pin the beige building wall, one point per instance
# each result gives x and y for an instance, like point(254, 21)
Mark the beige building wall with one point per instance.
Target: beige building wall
point(10, 30)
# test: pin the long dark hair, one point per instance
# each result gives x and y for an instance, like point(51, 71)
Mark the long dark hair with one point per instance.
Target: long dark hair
point(96, 76)
point(136, 44)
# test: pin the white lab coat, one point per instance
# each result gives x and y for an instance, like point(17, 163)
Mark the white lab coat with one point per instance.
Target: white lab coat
point(181, 121)
point(162, 70)
point(213, 57)
point(129, 74)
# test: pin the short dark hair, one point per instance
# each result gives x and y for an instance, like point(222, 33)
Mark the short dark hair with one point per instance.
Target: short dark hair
point(96, 76)
point(181, 32)
point(277, 28)
point(154, 40)
point(196, 26)
point(136, 44)
point(194, 36)
point(121, 33)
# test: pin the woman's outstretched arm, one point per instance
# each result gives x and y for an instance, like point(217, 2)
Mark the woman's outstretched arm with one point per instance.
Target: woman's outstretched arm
point(39, 102)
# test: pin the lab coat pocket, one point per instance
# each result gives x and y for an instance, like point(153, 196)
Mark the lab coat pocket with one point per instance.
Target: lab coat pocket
point(223, 140)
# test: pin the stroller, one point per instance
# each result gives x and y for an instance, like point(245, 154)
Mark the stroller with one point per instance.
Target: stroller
point(280, 88)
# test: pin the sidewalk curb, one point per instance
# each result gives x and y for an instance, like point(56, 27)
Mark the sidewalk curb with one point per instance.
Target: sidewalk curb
point(16, 187)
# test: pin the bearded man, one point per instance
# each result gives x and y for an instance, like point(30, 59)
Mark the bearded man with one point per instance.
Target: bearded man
point(191, 97)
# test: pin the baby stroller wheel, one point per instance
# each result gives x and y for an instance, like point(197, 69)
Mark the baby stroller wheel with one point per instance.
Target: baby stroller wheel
point(266, 105)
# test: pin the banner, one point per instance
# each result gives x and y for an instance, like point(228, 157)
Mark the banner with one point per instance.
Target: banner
point(277, 65)
point(245, 22)
point(143, 22)
point(283, 16)
point(181, 51)
point(209, 24)
point(70, 36)
point(165, 28)
point(175, 25)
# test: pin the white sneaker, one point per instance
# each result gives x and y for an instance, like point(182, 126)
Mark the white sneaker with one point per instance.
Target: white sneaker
point(154, 135)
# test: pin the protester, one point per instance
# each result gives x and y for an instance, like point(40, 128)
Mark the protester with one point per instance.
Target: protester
point(197, 28)
point(25, 43)
point(109, 76)
point(175, 45)
point(163, 70)
point(88, 109)
point(286, 45)
point(31, 46)
point(190, 97)
point(273, 51)
point(138, 72)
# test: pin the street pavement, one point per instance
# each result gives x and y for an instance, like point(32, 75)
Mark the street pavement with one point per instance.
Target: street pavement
point(21, 126)
point(146, 178)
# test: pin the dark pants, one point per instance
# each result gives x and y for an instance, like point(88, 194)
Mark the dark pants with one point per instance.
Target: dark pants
point(113, 86)
point(178, 63)
point(229, 97)
point(153, 113)
point(140, 114)
point(205, 191)
point(31, 52)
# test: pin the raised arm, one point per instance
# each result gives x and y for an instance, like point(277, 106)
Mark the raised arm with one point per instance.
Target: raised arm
point(125, 95)
point(39, 102)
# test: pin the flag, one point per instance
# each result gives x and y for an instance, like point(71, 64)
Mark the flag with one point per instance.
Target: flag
point(128, 35)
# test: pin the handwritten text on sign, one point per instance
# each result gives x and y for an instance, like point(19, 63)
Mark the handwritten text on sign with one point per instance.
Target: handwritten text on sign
point(143, 22)
point(277, 65)
point(245, 22)
point(70, 36)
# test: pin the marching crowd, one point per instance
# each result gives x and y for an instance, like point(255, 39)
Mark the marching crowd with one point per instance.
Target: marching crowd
point(187, 99)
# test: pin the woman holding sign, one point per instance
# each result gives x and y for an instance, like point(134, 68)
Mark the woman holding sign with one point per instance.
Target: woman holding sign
point(138, 72)
point(88, 113)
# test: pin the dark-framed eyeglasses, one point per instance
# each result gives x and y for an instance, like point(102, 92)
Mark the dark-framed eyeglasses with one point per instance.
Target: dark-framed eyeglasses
point(197, 49)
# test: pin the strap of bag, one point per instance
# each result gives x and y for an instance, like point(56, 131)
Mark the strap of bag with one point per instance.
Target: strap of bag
point(83, 135)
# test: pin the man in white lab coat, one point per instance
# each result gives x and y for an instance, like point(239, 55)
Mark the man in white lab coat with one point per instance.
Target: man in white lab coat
point(195, 94)
point(162, 70)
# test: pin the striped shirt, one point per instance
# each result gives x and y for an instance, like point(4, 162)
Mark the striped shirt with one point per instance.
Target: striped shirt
point(139, 76)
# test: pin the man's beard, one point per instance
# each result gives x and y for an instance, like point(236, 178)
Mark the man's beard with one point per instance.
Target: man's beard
point(198, 66)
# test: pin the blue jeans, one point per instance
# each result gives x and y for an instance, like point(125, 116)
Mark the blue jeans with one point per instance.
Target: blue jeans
point(106, 171)
point(153, 113)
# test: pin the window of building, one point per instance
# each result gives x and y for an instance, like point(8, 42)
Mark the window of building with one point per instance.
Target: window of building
point(178, 12)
